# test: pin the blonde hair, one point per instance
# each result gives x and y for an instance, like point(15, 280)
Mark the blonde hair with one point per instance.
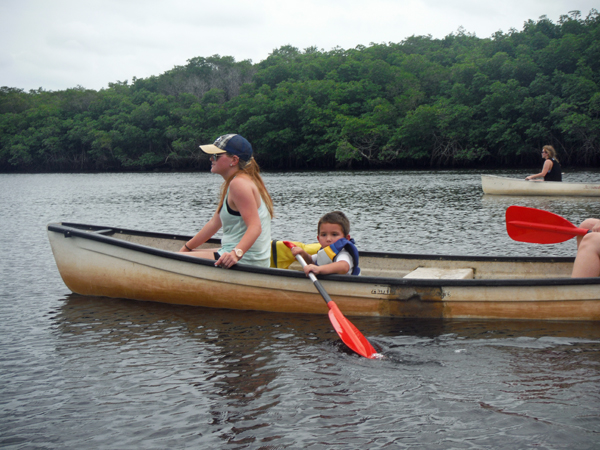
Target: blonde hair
point(551, 152)
point(336, 218)
point(251, 169)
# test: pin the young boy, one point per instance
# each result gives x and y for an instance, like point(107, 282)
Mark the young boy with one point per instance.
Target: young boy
point(338, 252)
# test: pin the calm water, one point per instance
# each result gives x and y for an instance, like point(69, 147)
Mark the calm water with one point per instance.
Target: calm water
point(84, 372)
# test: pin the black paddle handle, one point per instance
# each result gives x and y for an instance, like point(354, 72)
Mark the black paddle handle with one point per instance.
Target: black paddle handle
point(321, 289)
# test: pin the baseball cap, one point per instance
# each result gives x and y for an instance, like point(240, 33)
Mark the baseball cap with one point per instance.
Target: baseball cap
point(233, 144)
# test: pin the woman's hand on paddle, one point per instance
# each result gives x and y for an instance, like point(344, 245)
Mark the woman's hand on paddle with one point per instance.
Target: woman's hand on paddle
point(227, 260)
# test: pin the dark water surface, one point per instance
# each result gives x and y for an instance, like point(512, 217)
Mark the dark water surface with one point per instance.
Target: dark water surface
point(94, 373)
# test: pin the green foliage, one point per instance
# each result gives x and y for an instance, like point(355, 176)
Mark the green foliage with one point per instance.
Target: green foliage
point(456, 101)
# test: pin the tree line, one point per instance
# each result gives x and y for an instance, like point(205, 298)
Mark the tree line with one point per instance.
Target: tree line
point(460, 101)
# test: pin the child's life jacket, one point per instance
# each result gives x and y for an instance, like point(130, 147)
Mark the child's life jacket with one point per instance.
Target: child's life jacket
point(329, 254)
point(281, 255)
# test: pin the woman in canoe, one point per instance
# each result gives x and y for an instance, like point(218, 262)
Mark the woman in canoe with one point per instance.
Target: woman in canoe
point(587, 262)
point(245, 208)
point(551, 170)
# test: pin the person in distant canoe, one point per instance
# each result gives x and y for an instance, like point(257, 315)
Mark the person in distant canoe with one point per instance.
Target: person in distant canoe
point(245, 207)
point(587, 262)
point(338, 252)
point(551, 170)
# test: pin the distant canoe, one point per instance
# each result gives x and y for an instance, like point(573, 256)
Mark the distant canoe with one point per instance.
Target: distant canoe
point(495, 185)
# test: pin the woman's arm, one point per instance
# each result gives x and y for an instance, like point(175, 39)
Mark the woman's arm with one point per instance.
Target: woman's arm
point(545, 169)
point(207, 231)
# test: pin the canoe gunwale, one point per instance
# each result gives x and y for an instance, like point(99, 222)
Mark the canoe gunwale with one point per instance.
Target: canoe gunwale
point(69, 229)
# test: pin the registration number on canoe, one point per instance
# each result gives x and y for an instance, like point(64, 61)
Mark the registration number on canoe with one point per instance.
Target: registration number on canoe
point(381, 290)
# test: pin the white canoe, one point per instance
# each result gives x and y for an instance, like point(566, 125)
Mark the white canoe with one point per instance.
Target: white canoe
point(495, 185)
point(138, 265)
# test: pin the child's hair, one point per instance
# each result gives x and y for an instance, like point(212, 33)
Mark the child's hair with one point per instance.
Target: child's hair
point(337, 218)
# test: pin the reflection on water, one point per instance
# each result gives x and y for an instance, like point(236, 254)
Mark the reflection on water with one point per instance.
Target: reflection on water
point(88, 372)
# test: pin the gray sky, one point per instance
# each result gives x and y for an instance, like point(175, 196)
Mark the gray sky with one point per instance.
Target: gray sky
point(58, 44)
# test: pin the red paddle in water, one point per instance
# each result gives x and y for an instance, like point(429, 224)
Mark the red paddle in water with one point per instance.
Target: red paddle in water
point(539, 227)
point(345, 329)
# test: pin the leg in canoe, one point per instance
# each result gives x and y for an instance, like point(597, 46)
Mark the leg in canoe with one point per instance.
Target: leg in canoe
point(587, 262)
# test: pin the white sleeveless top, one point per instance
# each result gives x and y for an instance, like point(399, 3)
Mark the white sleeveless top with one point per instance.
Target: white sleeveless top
point(234, 228)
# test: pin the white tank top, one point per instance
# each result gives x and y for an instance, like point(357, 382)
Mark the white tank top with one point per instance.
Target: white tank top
point(234, 228)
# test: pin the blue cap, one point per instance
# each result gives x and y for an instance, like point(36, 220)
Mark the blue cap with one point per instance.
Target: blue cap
point(234, 144)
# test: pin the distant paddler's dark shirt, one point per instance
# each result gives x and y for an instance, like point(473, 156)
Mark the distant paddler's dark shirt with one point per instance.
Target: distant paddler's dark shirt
point(554, 174)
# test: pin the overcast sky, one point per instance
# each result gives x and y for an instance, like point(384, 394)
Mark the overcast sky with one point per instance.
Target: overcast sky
point(59, 44)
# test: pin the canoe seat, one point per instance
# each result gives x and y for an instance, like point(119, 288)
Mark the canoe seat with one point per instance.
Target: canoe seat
point(444, 274)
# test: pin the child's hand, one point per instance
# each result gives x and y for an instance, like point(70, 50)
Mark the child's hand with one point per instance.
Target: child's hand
point(339, 267)
point(312, 268)
point(299, 251)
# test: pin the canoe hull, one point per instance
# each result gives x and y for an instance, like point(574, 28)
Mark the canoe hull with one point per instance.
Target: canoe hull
point(494, 185)
point(94, 268)
point(98, 265)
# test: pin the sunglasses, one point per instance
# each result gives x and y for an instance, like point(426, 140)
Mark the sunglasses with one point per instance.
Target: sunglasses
point(215, 157)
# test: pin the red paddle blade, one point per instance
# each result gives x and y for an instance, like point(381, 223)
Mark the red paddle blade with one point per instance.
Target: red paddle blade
point(539, 227)
point(349, 333)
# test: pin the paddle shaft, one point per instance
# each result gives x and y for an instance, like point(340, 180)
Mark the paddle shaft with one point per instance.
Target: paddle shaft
point(576, 231)
point(315, 281)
